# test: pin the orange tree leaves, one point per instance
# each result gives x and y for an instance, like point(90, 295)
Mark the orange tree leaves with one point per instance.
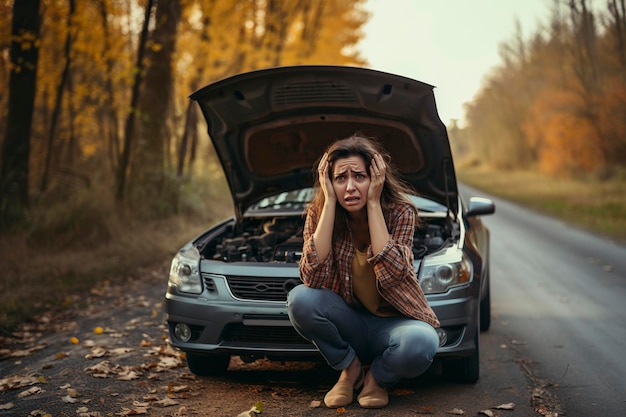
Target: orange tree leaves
point(557, 101)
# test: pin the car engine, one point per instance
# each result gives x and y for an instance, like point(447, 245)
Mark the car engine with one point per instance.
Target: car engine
point(280, 240)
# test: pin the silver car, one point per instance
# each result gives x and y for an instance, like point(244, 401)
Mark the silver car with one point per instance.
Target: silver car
point(227, 288)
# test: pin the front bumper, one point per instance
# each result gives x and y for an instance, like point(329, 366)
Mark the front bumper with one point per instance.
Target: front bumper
point(257, 329)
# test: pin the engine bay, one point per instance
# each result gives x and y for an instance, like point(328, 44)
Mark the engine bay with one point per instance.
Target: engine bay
point(279, 239)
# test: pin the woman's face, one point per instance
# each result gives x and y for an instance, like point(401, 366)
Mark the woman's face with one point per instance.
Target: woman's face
point(351, 180)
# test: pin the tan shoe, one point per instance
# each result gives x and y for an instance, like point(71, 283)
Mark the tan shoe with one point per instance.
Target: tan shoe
point(373, 396)
point(342, 393)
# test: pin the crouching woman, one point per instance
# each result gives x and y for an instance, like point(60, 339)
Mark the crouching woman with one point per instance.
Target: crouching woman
point(361, 304)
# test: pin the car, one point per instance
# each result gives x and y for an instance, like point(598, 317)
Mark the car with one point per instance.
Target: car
point(227, 288)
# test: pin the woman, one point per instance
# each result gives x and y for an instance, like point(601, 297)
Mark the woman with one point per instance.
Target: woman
point(361, 303)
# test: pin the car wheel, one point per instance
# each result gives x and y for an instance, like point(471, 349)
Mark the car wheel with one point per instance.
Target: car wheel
point(485, 309)
point(466, 370)
point(207, 365)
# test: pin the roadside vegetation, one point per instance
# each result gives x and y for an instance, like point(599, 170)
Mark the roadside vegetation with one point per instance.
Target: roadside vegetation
point(79, 242)
point(593, 204)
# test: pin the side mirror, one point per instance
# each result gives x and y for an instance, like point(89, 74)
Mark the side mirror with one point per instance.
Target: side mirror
point(479, 206)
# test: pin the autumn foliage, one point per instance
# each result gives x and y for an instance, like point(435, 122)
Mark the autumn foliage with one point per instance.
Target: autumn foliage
point(557, 101)
point(113, 78)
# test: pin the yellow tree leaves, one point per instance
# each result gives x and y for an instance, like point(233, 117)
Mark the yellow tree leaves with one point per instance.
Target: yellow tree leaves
point(215, 39)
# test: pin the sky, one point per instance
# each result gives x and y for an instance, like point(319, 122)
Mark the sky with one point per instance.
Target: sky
point(451, 44)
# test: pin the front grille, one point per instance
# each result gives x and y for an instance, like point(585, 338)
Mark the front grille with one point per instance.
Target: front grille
point(313, 91)
point(209, 284)
point(269, 335)
point(261, 288)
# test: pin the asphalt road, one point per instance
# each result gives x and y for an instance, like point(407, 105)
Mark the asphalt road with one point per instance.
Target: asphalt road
point(560, 293)
point(554, 347)
point(120, 364)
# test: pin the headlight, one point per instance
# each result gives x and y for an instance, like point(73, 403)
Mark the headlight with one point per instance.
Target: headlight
point(184, 272)
point(440, 277)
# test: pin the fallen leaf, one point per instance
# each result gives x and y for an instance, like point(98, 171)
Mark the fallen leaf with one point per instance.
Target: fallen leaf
point(6, 406)
point(507, 406)
point(100, 370)
point(257, 408)
point(132, 412)
point(98, 330)
point(315, 404)
point(39, 413)
point(341, 410)
point(71, 392)
point(30, 391)
point(178, 388)
point(456, 412)
point(425, 409)
point(96, 352)
point(68, 399)
point(488, 413)
point(20, 353)
point(120, 351)
point(128, 376)
point(74, 340)
point(17, 381)
point(166, 402)
point(402, 392)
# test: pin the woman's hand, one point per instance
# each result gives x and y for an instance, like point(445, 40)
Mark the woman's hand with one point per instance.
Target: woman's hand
point(377, 178)
point(324, 178)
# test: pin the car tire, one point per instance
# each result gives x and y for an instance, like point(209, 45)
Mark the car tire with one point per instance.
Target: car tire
point(485, 308)
point(207, 365)
point(465, 370)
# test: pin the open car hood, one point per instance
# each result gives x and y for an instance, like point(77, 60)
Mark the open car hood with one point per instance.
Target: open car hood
point(269, 127)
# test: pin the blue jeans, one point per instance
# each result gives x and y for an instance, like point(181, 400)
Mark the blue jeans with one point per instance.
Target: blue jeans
point(396, 347)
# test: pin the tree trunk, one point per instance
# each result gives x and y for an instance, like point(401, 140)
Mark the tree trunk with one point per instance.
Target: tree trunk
point(122, 167)
point(22, 87)
point(113, 132)
point(59, 99)
point(149, 155)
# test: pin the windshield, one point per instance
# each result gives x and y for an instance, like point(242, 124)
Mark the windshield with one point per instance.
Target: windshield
point(298, 199)
point(424, 204)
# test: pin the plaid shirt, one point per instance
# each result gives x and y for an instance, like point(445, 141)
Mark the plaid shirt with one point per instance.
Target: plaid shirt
point(393, 266)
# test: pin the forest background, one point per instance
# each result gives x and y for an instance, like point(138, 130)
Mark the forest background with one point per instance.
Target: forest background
point(106, 164)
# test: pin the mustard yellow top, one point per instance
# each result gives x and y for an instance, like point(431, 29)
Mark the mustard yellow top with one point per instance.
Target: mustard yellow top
point(366, 289)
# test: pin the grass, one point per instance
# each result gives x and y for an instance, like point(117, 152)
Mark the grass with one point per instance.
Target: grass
point(597, 205)
point(74, 244)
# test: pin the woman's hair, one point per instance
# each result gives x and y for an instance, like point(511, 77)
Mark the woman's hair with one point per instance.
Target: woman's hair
point(394, 189)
